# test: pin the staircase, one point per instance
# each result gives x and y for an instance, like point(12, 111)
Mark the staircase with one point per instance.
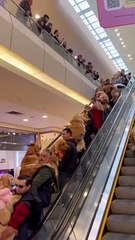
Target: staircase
point(120, 224)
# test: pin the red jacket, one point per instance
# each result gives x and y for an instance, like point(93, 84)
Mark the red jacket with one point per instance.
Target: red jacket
point(97, 117)
point(20, 213)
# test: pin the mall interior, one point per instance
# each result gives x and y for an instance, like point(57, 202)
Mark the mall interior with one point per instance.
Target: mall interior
point(47, 79)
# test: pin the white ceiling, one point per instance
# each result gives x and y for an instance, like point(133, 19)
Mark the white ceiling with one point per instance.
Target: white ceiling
point(127, 33)
point(21, 95)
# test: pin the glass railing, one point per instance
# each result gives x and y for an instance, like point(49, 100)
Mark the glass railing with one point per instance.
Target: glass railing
point(75, 188)
point(16, 11)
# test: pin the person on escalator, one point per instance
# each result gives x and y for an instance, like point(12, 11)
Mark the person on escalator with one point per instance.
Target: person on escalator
point(69, 161)
point(44, 176)
point(26, 214)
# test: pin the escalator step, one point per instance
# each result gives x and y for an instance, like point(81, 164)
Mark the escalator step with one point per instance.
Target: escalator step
point(130, 153)
point(118, 236)
point(125, 192)
point(128, 170)
point(126, 180)
point(129, 161)
point(123, 206)
point(121, 223)
point(129, 146)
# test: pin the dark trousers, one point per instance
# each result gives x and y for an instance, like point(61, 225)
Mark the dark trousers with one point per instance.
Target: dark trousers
point(23, 233)
point(63, 178)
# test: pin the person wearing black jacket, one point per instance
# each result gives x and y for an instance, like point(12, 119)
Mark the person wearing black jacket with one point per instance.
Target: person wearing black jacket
point(26, 214)
point(25, 12)
point(68, 163)
point(42, 22)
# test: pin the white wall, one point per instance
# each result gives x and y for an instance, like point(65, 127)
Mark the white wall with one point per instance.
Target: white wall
point(12, 159)
point(47, 138)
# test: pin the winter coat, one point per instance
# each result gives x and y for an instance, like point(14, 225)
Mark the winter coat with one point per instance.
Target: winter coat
point(43, 179)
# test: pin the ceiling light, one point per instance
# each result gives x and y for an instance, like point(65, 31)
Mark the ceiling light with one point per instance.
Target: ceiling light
point(25, 120)
point(118, 34)
point(131, 58)
point(75, 57)
point(44, 116)
point(37, 16)
point(122, 43)
point(116, 30)
point(124, 46)
point(120, 39)
point(129, 55)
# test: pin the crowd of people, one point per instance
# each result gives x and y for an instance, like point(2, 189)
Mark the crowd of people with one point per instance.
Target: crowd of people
point(22, 200)
point(44, 24)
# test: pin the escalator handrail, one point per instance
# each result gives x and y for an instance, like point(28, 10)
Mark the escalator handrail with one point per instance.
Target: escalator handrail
point(120, 148)
point(52, 208)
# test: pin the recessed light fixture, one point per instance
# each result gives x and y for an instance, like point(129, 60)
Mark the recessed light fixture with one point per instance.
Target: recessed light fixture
point(120, 39)
point(131, 58)
point(44, 116)
point(129, 55)
point(116, 30)
point(122, 43)
point(118, 34)
point(124, 46)
point(37, 16)
point(25, 120)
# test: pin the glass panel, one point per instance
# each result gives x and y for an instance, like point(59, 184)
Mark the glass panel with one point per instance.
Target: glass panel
point(35, 27)
point(88, 14)
point(92, 19)
point(77, 9)
point(84, 5)
point(72, 2)
point(98, 30)
point(61, 50)
point(47, 38)
point(78, 1)
point(85, 22)
point(96, 25)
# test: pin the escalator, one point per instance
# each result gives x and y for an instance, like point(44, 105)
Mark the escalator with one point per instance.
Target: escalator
point(120, 224)
point(63, 217)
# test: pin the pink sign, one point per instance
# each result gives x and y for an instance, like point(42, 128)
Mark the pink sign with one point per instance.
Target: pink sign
point(114, 13)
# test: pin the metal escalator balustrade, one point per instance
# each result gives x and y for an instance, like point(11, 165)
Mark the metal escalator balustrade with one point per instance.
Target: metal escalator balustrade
point(97, 226)
point(120, 223)
point(70, 225)
point(60, 211)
